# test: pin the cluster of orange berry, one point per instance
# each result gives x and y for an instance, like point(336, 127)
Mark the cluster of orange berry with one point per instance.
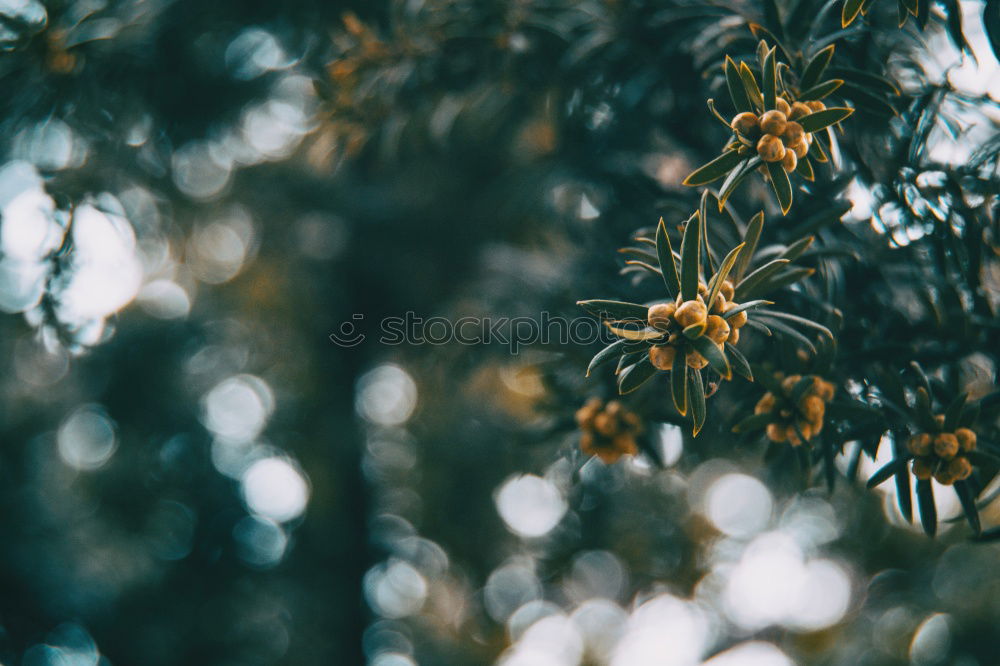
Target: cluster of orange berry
point(609, 430)
point(805, 417)
point(779, 137)
point(939, 455)
point(679, 315)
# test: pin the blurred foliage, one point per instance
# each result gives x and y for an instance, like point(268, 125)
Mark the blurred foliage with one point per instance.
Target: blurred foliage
point(195, 196)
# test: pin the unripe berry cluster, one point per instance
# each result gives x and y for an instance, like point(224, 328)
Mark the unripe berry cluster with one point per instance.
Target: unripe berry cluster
point(778, 137)
point(676, 316)
point(791, 418)
point(940, 455)
point(609, 430)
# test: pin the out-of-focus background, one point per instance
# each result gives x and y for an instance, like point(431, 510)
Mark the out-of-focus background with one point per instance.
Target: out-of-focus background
point(196, 195)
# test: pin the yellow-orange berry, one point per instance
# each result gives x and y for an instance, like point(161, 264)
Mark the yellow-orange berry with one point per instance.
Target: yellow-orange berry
point(727, 289)
point(800, 148)
point(691, 313)
point(923, 469)
point(765, 404)
point(773, 122)
point(745, 123)
point(813, 407)
point(782, 105)
point(798, 110)
point(815, 105)
point(585, 415)
point(966, 439)
point(946, 445)
point(734, 335)
point(944, 476)
point(789, 382)
point(920, 445)
point(717, 329)
point(662, 357)
point(770, 148)
point(661, 315)
point(789, 162)
point(696, 360)
point(776, 433)
point(605, 424)
point(739, 319)
point(960, 468)
point(939, 420)
point(793, 133)
point(826, 390)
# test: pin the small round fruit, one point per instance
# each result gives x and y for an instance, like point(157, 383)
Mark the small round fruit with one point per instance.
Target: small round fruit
point(773, 122)
point(782, 105)
point(727, 289)
point(793, 133)
point(696, 360)
point(920, 445)
point(719, 304)
point(661, 315)
point(790, 161)
point(793, 436)
point(734, 335)
point(960, 468)
point(798, 110)
point(815, 105)
point(923, 469)
point(776, 433)
point(770, 148)
point(702, 290)
point(739, 319)
point(662, 357)
point(605, 424)
point(585, 415)
point(746, 123)
point(800, 148)
point(690, 313)
point(717, 329)
point(789, 382)
point(946, 445)
point(944, 476)
point(813, 407)
point(587, 441)
point(939, 420)
point(966, 439)
point(765, 404)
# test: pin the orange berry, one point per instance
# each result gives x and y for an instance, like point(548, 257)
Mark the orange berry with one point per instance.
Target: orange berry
point(662, 357)
point(789, 162)
point(966, 439)
point(691, 313)
point(782, 105)
point(746, 123)
point(727, 289)
point(960, 468)
point(717, 329)
point(773, 122)
point(946, 445)
point(776, 433)
point(661, 315)
point(770, 148)
point(734, 335)
point(815, 105)
point(798, 110)
point(739, 319)
point(696, 360)
point(793, 133)
point(920, 445)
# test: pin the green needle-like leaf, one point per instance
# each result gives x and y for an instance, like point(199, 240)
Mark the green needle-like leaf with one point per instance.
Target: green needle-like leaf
point(736, 90)
point(720, 276)
point(635, 376)
point(750, 240)
point(606, 354)
point(770, 79)
point(739, 362)
point(696, 391)
point(678, 383)
point(821, 90)
point(665, 253)
point(814, 70)
point(814, 122)
point(615, 310)
point(716, 359)
point(714, 170)
point(781, 185)
point(690, 257)
point(928, 510)
point(850, 12)
point(888, 470)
